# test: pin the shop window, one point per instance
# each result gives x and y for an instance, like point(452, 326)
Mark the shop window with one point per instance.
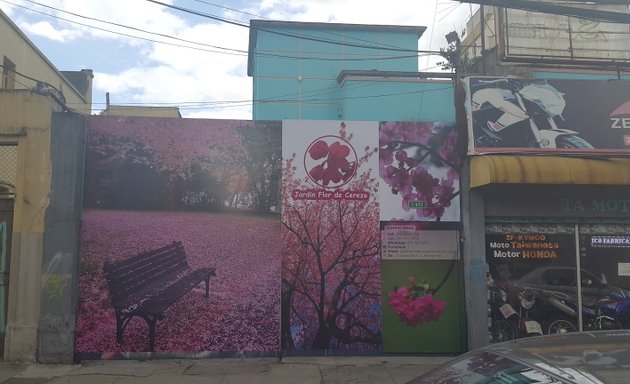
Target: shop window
point(560, 277)
point(533, 278)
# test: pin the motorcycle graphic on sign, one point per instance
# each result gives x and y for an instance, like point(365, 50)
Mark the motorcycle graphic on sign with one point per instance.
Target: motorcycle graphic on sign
point(519, 113)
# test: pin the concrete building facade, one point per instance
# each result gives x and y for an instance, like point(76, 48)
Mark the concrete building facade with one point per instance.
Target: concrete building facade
point(41, 147)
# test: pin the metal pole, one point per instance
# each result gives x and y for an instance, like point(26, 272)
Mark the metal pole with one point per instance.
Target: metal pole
point(578, 276)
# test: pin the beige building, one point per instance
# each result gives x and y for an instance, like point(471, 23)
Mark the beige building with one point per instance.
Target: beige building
point(141, 111)
point(32, 90)
point(24, 66)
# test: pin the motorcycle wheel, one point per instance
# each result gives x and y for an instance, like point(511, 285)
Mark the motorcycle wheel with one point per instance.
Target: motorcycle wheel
point(572, 142)
point(560, 325)
point(624, 318)
point(502, 330)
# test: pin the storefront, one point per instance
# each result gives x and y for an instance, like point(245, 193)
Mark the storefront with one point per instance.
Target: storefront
point(550, 251)
point(546, 208)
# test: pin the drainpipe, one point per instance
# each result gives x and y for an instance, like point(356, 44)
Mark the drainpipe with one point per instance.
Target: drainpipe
point(4, 276)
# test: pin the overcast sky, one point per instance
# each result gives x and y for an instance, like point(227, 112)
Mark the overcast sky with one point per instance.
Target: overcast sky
point(203, 70)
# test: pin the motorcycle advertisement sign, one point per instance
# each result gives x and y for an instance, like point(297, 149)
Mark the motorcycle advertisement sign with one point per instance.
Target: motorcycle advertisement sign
point(509, 114)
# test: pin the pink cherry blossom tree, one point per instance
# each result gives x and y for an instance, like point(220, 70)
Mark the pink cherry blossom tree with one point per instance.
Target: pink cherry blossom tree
point(331, 265)
point(182, 163)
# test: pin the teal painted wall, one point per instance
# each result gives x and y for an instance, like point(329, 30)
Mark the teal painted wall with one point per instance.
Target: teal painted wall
point(296, 78)
point(399, 101)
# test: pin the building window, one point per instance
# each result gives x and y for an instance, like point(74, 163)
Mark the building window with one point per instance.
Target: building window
point(8, 74)
point(8, 169)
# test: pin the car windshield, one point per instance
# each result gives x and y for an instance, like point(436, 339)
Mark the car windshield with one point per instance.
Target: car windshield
point(485, 368)
point(597, 357)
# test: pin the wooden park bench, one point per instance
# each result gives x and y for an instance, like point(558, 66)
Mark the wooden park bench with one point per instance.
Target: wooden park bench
point(145, 285)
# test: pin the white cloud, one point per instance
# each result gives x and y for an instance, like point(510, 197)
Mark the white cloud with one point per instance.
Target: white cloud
point(169, 74)
point(48, 31)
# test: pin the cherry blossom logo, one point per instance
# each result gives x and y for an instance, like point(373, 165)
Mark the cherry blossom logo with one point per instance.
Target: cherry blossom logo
point(414, 303)
point(330, 161)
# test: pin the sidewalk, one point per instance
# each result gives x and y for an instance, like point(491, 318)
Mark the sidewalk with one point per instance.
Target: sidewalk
point(293, 370)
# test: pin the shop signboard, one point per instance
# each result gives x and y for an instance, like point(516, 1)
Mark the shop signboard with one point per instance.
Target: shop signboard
point(508, 114)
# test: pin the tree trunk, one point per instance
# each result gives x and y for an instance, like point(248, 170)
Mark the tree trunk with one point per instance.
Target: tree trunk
point(322, 338)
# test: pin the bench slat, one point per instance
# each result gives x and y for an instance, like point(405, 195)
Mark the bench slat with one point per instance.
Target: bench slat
point(133, 274)
point(138, 279)
point(174, 251)
point(168, 296)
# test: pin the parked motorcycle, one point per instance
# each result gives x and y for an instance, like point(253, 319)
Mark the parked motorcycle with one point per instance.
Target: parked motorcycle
point(520, 113)
point(508, 323)
point(610, 312)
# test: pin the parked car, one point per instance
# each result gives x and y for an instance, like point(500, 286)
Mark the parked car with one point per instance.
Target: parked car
point(564, 279)
point(597, 357)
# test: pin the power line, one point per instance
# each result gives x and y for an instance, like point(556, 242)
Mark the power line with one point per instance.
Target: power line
point(581, 13)
point(240, 103)
point(236, 52)
point(120, 33)
point(134, 28)
point(266, 18)
point(303, 37)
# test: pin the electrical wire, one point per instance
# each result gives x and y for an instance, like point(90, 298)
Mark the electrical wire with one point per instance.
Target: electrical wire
point(325, 32)
point(320, 40)
point(234, 103)
point(243, 103)
point(29, 78)
point(133, 28)
point(538, 6)
point(120, 33)
point(236, 52)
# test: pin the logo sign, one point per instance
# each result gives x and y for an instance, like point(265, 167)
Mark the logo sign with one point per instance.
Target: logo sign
point(620, 117)
point(330, 161)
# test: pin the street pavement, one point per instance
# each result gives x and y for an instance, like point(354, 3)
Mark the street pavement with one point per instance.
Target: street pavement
point(294, 370)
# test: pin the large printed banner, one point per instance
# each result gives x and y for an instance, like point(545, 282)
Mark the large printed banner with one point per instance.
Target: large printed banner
point(422, 288)
point(205, 237)
point(157, 190)
point(547, 115)
point(330, 234)
point(418, 167)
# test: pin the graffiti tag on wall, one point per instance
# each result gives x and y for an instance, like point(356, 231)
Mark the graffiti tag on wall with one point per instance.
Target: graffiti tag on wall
point(56, 275)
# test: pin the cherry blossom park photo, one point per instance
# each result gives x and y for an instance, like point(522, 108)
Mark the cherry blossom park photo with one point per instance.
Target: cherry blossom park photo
point(214, 187)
